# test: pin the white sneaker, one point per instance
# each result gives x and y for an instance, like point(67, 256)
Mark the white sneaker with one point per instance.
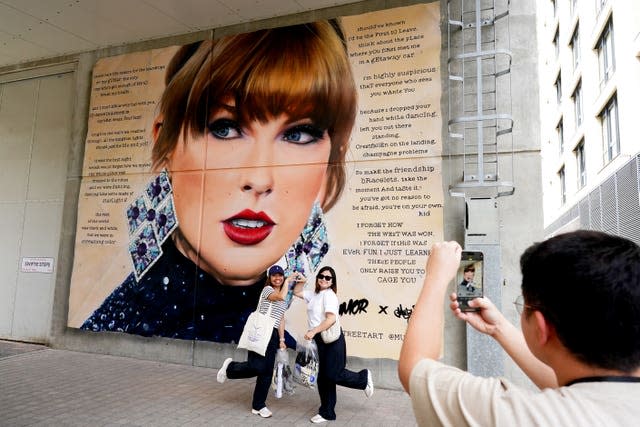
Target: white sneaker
point(222, 372)
point(264, 412)
point(369, 390)
point(317, 419)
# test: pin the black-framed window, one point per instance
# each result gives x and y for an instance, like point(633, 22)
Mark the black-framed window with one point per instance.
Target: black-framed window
point(581, 164)
point(563, 185)
point(558, 87)
point(573, 6)
point(577, 104)
point(600, 4)
point(575, 47)
point(556, 42)
point(610, 130)
point(606, 56)
point(560, 134)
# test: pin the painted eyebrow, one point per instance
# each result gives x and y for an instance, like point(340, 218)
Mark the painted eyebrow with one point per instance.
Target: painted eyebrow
point(291, 121)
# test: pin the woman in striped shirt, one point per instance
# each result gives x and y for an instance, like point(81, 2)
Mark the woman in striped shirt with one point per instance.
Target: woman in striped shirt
point(273, 294)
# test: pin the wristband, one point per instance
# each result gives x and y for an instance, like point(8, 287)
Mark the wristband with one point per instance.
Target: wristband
point(281, 339)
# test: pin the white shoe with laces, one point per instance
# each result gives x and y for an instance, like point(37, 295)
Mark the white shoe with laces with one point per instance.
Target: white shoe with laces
point(317, 419)
point(222, 372)
point(264, 412)
point(369, 390)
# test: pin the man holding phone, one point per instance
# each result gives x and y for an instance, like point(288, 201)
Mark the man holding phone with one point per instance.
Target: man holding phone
point(580, 339)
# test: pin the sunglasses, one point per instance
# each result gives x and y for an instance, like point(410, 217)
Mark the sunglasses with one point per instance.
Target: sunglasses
point(324, 277)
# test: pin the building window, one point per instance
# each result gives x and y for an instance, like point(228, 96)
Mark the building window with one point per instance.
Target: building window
point(575, 48)
point(556, 42)
point(560, 133)
point(581, 166)
point(610, 135)
point(554, 7)
point(600, 4)
point(563, 186)
point(558, 87)
point(577, 104)
point(606, 57)
point(573, 5)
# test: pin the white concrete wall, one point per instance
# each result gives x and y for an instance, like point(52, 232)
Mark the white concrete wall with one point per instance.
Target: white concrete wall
point(35, 120)
point(625, 16)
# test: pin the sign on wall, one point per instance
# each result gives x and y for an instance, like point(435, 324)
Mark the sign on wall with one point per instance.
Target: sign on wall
point(36, 265)
point(305, 146)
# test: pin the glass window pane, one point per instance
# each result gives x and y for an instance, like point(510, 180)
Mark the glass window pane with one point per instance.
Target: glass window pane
point(575, 49)
point(563, 188)
point(606, 58)
point(610, 136)
point(581, 165)
point(577, 100)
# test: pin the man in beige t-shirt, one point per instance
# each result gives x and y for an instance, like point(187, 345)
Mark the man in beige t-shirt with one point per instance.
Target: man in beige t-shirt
point(580, 339)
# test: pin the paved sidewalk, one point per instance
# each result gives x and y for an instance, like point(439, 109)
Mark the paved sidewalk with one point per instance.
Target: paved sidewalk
point(40, 386)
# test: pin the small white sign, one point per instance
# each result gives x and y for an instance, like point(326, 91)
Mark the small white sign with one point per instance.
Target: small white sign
point(36, 265)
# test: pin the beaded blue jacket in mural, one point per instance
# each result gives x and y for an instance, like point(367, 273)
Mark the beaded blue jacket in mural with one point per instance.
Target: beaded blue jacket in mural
point(176, 299)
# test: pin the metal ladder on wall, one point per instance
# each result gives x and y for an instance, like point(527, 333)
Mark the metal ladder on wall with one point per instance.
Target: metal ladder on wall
point(480, 144)
point(480, 122)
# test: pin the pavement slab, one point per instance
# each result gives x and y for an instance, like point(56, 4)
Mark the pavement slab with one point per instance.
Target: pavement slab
point(40, 386)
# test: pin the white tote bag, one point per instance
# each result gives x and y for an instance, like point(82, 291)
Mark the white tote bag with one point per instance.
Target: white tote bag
point(257, 331)
point(333, 333)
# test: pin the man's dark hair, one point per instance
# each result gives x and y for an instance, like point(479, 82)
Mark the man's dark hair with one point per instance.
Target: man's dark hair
point(469, 267)
point(587, 285)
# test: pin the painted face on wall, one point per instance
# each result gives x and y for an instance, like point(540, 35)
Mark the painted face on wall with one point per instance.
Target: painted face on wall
point(243, 191)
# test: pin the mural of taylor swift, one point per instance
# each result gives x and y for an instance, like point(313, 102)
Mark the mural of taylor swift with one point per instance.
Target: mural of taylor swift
point(249, 147)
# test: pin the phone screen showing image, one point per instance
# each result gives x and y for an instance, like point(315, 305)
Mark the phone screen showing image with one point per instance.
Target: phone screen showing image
point(469, 283)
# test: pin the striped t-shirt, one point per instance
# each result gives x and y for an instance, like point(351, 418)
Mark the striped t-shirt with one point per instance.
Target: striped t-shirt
point(277, 307)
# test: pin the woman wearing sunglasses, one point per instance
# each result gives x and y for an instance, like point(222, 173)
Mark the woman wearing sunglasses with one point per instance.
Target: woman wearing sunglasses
point(322, 309)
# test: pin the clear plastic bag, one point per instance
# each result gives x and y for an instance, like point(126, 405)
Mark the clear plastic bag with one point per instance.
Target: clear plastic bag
point(306, 366)
point(282, 374)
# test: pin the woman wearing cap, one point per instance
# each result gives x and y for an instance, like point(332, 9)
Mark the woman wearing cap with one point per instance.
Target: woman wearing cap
point(250, 142)
point(274, 295)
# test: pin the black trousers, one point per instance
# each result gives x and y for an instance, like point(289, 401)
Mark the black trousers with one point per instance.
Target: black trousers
point(260, 367)
point(333, 361)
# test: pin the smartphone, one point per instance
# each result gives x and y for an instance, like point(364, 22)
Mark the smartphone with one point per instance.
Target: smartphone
point(469, 283)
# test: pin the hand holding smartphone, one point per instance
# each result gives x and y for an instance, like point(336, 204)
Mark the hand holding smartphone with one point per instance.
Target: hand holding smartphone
point(469, 279)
